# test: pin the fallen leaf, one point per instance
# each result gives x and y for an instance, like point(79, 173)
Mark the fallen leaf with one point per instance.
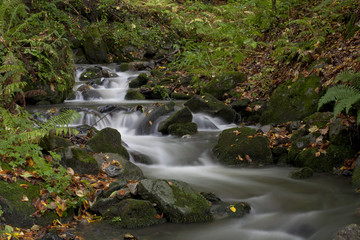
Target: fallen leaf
point(232, 208)
point(159, 216)
point(317, 154)
point(25, 186)
point(170, 183)
point(248, 158)
point(150, 122)
point(240, 158)
point(313, 129)
point(25, 198)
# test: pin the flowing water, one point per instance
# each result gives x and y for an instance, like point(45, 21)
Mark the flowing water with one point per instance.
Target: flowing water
point(282, 208)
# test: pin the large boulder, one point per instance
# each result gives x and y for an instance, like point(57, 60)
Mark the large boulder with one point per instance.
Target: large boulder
point(108, 140)
point(119, 167)
point(16, 204)
point(176, 199)
point(182, 116)
point(293, 101)
point(242, 147)
point(223, 83)
point(210, 105)
point(147, 125)
point(134, 95)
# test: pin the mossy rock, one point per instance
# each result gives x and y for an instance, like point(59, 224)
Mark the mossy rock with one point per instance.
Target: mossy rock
point(94, 46)
point(210, 105)
point(80, 161)
point(223, 84)
point(340, 134)
point(223, 210)
point(334, 157)
point(19, 213)
point(133, 94)
point(293, 101)
point(147, 125)
point(139, 81)
point(318, 119)
point(181, 129)
point(108, 140)
point(181, 96)
point(302, 173)
point(129, 171)
point(242, 147)
point(176, 199)
point(123, 67)
point(355, 180)
point(91, 73)
point(182, 116)
point(133, 213)
point(54, 142)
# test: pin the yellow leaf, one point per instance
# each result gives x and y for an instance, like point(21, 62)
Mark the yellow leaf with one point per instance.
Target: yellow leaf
point(313, 129)
point(25, 198)
point(233, 209)
point(150, 122)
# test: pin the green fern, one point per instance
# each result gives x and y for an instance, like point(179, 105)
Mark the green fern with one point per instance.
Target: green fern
point(349, 77)
point(344, 96)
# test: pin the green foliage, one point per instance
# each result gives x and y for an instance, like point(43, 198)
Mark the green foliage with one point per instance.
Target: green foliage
point(345, 96)
point(18, 144)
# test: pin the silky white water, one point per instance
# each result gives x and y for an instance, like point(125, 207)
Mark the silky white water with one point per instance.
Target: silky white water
point(282, 208)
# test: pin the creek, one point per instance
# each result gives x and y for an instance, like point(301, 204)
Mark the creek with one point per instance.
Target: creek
point(281, 207)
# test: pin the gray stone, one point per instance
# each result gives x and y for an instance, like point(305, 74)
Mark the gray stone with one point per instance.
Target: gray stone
point(350, 232)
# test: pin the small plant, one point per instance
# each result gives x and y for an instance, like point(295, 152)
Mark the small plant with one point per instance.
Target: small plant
point(116, 220)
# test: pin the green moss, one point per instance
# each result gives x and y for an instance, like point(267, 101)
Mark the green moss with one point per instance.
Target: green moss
point(18, 213)
point(82, 162)
point(293, 101)
point(181, 129)
point(108, 140)
point(235, 144)
point(141, 80)
point(123, 67)
point(181, 96)
point(134, 95)
point(318, 119)
point(302, 173)
point(356, 178)
point(182, 116)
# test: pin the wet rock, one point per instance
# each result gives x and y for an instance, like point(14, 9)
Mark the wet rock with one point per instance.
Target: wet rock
point(108, 140)
point(318, 119)
point(140, 80)
point(182, 129)
point(79, 160)
point(302, 173)
point(138, 66)
point(176, 199)
point(111, 108)
point(133, 213)
point(124, 170)
point(350, 232)
point(134, 95)
point(123, 67)
point(182, 116)
point(54, 142)
point(242, 147)
point(96, 74)
point(91, 94)
point(230, 210)
point(146, 126)
point(210, 105)
point(181, 96)
point(301, 97)
point(223, 83)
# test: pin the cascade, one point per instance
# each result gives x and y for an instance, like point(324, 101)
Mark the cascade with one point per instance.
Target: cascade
point(282, 208)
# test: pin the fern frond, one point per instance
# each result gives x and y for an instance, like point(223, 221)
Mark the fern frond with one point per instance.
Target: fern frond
point(338, 93)
point(349, 77)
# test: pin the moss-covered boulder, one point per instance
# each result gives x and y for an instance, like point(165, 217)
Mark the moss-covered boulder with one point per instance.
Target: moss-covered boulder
point(96, 73)
point(108, 140)
point(293, 101)
point(181, 96)
point(355, 180)
point(176, 199)
point(126, 169)
point(133, 213)
point(123, 67)
point(79, 160)
point(17, 212)
point(341, 133)
point(181, 129)
point(210, 105)
point(242, 147)
point(94, 47)
point(223, 83)
point(133, 94)
point(182, 116)
point(140, 80)
point(298, 145)
point(147, 125)
point(321, 162)
point(302, 173)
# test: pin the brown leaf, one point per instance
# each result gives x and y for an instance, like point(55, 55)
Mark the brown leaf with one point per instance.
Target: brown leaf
point(248, 158)
point(170, 183)
point(317, 154)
